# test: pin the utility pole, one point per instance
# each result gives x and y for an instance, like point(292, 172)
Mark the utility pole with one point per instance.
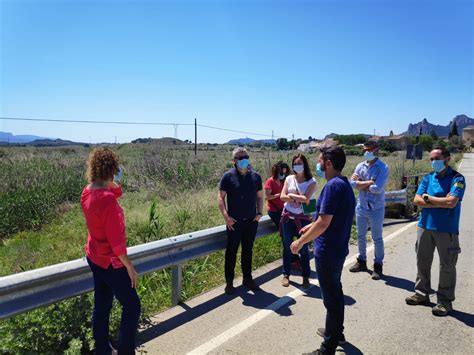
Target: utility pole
point(195, 136)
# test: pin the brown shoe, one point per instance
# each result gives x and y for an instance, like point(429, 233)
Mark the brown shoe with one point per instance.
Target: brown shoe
point(442, 309)
point(285, 281)
point(360, 265)
point(306, 283)
point(417, 299)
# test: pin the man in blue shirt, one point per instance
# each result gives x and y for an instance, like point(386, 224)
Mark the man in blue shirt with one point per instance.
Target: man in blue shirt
point(440, 194)
point(331, 232)
point(370, 178)
point(243, 189)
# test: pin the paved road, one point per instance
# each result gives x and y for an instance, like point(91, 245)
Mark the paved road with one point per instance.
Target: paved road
point(284, 320)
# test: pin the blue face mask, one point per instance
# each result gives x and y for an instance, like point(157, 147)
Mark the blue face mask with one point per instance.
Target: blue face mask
point(118, 177)
point(369, 156)
point(319, 172)
point(282, 176)
point(298, 168)
point(438, 165)
point(243, 164)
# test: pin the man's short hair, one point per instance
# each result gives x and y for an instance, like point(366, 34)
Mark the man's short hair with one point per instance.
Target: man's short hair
point(239, 150)
point(444, 151)
point(371, 144)
point(336, 155)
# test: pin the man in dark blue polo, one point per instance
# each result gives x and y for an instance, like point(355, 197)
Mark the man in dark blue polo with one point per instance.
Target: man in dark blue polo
point(440, 194)
point(243, 189)
point(332, 231)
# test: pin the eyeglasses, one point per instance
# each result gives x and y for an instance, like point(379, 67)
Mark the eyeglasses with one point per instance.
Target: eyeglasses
point(242, 157)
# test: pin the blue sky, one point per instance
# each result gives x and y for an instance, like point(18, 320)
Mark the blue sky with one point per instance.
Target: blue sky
point(295, 67)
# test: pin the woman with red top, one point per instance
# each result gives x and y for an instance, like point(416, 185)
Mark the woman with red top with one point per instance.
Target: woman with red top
point(106, 250)
point(273, 187)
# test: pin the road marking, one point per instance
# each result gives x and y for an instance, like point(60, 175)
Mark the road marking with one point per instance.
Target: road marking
point(257, 317)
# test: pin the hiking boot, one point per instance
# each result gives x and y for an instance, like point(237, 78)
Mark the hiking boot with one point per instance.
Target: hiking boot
point(442, 309)
point(306, 283)
point(250, 284)
point(360, 265)
point(322, 333)
point(417, 299)
point(229, 288)
point(285, 281)
point(377, 273)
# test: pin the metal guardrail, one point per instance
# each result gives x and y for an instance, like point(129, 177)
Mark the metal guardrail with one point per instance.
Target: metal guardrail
point(399, 197)
point(41, 287)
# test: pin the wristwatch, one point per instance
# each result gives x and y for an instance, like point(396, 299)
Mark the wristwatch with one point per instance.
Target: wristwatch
point(426, 197)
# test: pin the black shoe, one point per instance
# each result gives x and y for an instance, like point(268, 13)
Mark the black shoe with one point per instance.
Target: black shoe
point(416, 299)
point(250, 284)
point(377, 273)
point(322, 333)
point(360, 265)
point(229, 288)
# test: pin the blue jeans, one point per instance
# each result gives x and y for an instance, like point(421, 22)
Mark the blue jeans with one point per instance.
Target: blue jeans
point(107, 284)
point(288, 230)
point(329, 275)
point(375, 218)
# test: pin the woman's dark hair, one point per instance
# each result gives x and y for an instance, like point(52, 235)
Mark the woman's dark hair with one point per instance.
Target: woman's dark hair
point(276, 169)
point(285, 166)
point(102, 164)
point(307, 170)
point(336, 155)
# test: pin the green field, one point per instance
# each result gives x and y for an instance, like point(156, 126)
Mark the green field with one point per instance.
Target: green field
point(42, 224)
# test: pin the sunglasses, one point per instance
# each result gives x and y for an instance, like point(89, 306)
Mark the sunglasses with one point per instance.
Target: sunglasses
point(242, 157)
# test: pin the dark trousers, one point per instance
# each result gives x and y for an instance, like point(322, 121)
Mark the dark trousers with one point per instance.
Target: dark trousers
point(107, 284)
point(275, 216)
point(244, 232)
point(329, 275)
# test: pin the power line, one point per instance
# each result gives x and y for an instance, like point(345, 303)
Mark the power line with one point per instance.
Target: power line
point(235, 131)
point(101, 122)
point(175, 125)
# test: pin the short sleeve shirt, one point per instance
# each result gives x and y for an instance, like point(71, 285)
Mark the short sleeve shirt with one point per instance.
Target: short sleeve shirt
point(276, 204)
point(336, 199)
point(442, 219)
point(241, 193)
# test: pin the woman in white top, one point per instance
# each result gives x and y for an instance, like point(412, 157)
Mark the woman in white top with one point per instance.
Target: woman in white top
point(298, 189)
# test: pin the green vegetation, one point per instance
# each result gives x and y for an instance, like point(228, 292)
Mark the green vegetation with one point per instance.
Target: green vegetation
point(167, 191)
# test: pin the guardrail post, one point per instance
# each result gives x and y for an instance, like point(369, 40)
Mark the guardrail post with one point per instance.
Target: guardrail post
point(177, 284)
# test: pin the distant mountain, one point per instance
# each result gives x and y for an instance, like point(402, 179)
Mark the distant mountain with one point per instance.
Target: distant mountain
point(442, 131)
point(250, 141)
point(10, 138)
point(51, 143)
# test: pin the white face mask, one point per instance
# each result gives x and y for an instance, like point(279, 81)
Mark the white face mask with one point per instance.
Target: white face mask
point(298, 168)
